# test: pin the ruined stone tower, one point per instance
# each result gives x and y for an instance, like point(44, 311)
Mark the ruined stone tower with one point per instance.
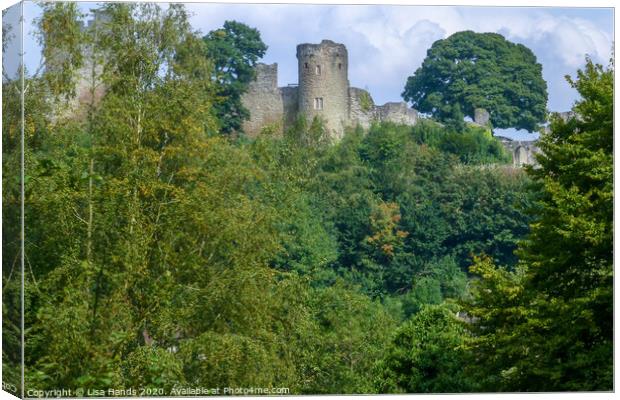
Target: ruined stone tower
point(324, 83)
point(322, 91)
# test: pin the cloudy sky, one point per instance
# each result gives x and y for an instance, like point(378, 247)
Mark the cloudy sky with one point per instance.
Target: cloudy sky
point(387, 43)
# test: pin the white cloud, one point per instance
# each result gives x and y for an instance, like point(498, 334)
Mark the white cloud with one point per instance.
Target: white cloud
point(387, 43)
point(572, 39)
point(568, 38)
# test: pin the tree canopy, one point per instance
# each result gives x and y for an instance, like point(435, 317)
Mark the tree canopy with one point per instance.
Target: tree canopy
point(471, 70)
point(234, 50)
point(159, 255)
point(549, 325)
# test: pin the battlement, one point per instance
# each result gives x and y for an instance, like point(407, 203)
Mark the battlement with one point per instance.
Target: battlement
point(326, 47)
point(266, 77)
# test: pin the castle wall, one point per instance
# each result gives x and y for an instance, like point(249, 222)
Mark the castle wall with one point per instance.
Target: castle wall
point(323, 92)
point(361, 108)
point(290, 103)
point(323, 78)
point(523, 152)
point(398, 113)
point(264, 100)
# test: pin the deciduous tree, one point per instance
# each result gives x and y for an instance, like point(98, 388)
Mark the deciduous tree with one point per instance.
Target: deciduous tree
point(471, 70)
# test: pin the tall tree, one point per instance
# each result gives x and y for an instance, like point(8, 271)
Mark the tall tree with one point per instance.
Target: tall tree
point(116, 169)
point(471, 70)
point(549, 326)
point(11, 202)
point(234, 51)
point(425, 355)
point(156, 265)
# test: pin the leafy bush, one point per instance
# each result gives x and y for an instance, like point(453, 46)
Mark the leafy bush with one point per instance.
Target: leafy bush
point(472, 144)
point(425, 355)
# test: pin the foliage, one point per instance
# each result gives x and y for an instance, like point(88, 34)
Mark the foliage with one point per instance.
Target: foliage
point(140, 197)
point(353, 333)
point(386, 237)
point(160, 254)
point(363, 199)
point(234, 50)
point(426, 355)
point(366, 102)
point(154, 368)
point(60, 36)
point(290, 164)
point(472, 144)
point(438, 280)
point(471, 70)
point(495, 309)
point(549, 327)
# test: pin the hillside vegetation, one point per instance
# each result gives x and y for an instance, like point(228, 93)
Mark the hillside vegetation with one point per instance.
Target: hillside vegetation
point(163, 254)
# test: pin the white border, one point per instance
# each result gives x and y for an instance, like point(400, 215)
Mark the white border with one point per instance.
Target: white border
point(484, 3)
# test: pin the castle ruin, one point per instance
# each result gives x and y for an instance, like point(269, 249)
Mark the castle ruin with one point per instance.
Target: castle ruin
point(323, 91)
point(523, 151)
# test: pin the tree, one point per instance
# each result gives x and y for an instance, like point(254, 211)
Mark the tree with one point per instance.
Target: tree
point(168, 288)
point(61, 39)
point(426, 355)
point(549, 325)
point(234, 51)
point(11, 205)
point(352, 334)
point(495, 309)
point(291, 164)
point(159, 254)
point(471, 70)
point(148, 127)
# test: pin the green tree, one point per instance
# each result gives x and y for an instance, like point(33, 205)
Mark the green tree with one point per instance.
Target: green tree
point(167, 286)
point(426, 355)
point(380, 192)
point(291, 164)
point(554, 329)
point(234, 51)
point(115, 172)
point(353, 332)
point(42, 87)
point(159, 253)
point(471, 70)
point(61, 37)
point(453, 117)
point(496, 310)
point(434, 282)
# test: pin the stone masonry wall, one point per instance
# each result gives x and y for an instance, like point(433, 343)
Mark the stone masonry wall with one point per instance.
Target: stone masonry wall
point(523, 152)
point(290, 102)
point(361, 108)
point(264, 100)
point(397, 112)
point(323, 74)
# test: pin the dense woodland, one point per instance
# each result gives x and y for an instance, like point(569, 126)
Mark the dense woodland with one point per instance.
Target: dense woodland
point(166, 249)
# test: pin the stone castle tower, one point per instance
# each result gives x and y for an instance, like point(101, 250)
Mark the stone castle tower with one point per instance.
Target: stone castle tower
point(324, 83)
point(323, 91)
